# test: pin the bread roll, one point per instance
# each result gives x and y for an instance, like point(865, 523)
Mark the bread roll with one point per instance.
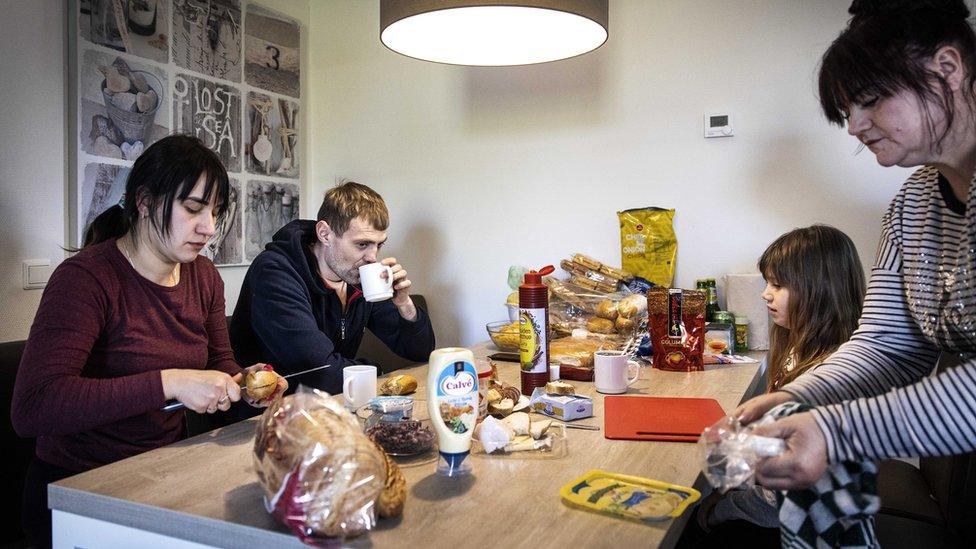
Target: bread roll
point(625, 325)
point(560, 388)
point(261, 384)
point(587, 262)
point(607, 309)
point(632, 306)
point(600, 325)
point(501, 408)
point(399, 385)
point(394, 494)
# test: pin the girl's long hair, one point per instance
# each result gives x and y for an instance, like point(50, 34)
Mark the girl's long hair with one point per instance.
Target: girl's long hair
point(820, 268)
point(167, 171)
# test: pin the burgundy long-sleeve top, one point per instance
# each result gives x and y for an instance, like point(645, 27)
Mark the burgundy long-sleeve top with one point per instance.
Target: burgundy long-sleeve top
point(89, 385)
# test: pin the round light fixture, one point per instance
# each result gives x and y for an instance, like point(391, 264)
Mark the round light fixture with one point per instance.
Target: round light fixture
point(493, 32)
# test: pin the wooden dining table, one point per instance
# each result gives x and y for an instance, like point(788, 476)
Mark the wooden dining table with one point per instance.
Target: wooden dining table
point(203, 491)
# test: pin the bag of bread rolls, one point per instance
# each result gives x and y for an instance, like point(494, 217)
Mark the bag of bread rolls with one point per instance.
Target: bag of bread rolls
point(321, 476)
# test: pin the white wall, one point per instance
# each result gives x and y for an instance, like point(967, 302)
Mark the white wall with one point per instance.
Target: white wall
point(33, 219)
point(32, 151)
point(487, 167)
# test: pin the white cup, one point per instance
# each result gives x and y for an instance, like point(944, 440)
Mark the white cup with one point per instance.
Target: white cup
point(358, 385)
point(610, 372)
point(374, 287)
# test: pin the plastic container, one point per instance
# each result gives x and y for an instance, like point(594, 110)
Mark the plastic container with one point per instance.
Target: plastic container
point(484, 375)
point(629, 497)
point(513, 312)
point(534, 330)
point(452, 402)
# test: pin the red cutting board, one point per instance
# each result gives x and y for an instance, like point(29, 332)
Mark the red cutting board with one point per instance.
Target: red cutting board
point(658, 418)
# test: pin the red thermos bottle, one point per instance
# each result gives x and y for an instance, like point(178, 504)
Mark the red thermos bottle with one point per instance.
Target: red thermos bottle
point(534, 330)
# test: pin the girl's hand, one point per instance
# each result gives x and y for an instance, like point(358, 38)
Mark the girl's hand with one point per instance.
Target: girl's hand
point(203, 391)
point(263, 402)
point(805, 459)
point(754, 408)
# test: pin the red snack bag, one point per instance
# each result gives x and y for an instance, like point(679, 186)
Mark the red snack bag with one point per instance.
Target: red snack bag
point(676, 321)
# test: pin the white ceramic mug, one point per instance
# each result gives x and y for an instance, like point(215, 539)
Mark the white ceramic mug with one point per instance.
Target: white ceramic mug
point(610, 372)
point(358, 385)
point(374, 287)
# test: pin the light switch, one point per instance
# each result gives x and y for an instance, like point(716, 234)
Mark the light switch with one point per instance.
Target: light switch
point(36, 273)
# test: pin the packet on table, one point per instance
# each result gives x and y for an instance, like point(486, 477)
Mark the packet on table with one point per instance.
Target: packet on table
point(633, 498)
point(564, 407)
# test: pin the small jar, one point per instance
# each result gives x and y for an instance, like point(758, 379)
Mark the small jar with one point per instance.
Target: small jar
point(485, 374)
point(741, 333)
point(723, 317)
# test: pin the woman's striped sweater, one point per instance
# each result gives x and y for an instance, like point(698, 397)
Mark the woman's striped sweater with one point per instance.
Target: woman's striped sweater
point(875, 399)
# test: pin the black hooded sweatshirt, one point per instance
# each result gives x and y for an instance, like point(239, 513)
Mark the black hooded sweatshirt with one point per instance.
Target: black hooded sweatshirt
point(288, 317)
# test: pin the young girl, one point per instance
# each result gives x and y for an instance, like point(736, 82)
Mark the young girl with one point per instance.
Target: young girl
point(814, 291)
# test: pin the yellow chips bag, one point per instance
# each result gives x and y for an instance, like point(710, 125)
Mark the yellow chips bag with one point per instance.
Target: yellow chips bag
point(648, 245)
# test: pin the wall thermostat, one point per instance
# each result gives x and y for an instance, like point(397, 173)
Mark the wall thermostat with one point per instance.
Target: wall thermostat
point(718, 125)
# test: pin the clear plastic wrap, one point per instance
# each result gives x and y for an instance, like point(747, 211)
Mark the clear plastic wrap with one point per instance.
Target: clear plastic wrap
point(321, 475)
point(728, 452)
point(615, 315)
point(527, 439)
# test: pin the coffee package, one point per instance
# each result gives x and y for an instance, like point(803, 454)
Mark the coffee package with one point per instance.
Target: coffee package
point(676, 322)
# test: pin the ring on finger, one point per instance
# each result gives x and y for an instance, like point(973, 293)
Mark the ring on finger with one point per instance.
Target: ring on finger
point(222, 399)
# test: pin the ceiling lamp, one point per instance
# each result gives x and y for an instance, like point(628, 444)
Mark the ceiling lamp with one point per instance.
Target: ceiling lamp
point(493, 32)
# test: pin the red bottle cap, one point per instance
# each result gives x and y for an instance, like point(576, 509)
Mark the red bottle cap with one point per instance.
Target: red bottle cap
point(535, 277)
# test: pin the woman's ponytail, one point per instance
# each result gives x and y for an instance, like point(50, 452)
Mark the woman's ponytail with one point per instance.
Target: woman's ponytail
point(112, 223)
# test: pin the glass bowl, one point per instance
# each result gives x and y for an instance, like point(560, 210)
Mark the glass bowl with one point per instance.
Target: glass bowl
point(504, 334)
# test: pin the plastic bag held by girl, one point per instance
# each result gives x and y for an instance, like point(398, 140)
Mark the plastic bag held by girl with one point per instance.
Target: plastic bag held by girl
point(728, 452)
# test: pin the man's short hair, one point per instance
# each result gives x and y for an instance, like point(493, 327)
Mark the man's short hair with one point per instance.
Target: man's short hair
point(350, 200)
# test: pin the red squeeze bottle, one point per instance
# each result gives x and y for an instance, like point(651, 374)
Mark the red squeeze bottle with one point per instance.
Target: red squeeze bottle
point(534, 330)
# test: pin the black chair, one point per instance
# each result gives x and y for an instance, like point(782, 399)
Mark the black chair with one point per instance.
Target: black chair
point(930, 505)
point(18, 452)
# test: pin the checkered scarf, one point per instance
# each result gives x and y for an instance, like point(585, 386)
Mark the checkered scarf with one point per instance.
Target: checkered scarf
point(837, 511)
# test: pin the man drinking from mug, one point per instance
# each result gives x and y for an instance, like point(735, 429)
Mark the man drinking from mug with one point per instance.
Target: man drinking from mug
point(302, 303)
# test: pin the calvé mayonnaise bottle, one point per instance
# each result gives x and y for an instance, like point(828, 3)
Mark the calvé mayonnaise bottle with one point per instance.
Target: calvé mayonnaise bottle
point(452, 402)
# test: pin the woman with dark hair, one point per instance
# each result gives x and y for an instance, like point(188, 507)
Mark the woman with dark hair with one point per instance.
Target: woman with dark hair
point(132, 320)
point(901, 76)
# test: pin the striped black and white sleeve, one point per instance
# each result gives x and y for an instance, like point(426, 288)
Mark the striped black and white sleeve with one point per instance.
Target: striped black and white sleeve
point(934, 417)
point(886, 351)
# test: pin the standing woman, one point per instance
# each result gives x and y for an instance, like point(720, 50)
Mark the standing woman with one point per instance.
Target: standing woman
point(902, 78)
point(132, 320)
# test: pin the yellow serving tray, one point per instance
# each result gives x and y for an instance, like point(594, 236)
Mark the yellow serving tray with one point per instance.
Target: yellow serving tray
point(629, 497)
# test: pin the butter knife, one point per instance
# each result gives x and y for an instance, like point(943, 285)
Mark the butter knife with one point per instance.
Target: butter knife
point(577, 426)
